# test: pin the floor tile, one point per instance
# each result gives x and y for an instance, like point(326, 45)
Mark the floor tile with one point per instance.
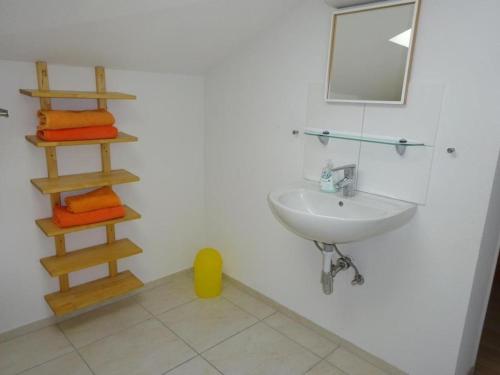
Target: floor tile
point(324, 368)
point(206, 322)
point(167, 296)
point(304, 336)
point(70, 363)
point(352, 364)
point(32, 349)
point(147, 348)
point(196, 366)
point(96, 324)
point(247, 302)
point(260, 350)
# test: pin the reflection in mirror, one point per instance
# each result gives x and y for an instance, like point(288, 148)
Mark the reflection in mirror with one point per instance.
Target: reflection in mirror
point(370, 53)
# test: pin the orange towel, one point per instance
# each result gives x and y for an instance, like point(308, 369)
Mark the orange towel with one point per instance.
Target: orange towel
point(78, 134)
point(63, 218)
point(74, 119)
point(93, 200)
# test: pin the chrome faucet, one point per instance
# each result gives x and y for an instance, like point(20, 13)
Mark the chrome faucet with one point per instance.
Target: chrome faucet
point(348, 183)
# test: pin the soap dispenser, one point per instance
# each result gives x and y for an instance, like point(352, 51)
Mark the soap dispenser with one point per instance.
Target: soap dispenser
point(326, 181)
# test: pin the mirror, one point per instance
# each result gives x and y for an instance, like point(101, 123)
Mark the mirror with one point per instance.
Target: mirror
point(370, 53)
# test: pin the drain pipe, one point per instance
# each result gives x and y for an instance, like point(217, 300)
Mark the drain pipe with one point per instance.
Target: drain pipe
point(331, 270)
point(326, 274)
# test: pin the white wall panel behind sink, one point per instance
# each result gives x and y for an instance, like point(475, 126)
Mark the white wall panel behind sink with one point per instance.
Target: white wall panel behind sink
point(340, 151)
point(382, 171)
point(418, 119)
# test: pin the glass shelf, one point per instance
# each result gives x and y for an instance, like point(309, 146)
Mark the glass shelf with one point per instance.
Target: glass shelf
point(400, 143)
point(363, 138)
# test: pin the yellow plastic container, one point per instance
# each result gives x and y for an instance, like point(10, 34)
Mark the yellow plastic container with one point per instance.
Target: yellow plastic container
point(208, 273)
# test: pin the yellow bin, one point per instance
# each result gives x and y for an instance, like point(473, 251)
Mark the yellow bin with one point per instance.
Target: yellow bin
point(208, 273)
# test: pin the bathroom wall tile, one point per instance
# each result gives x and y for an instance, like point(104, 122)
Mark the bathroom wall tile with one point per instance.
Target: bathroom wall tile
point(306, 337)
point(382, 171)
point(247, 302)
point(67, 364)
point(96, 324)
point(316, 155)
point(261, 350)
point(32, 349)
point(206, 322)
point(338, 116)
point(418, 119)
point(352, 364)
point(146, 348)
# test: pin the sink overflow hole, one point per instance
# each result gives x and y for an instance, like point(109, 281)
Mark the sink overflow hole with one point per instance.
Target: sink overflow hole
point(341, 203)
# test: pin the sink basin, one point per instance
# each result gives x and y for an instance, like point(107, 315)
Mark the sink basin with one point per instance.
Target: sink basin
point(334, 219)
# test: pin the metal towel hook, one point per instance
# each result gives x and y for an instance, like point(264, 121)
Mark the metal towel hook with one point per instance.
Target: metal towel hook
point(4, 112)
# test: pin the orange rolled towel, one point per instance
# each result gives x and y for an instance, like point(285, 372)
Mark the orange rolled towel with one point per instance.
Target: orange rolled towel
point(78, 134)
point(93, 200)
point(63, 218)
point(74, 119)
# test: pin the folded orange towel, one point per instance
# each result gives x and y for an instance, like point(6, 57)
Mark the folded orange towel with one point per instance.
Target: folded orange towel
point(93, 200)
point(63, 218)
point(78, 134)
point(74, 119)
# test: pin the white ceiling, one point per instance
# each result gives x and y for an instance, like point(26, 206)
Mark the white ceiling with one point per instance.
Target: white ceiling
point(178, 36)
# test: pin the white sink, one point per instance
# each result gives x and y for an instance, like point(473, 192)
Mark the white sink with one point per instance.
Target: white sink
point(333, 219)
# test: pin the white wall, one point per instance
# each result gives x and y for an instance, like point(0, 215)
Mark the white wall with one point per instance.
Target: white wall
point(168, 118)
point(483, 280)
point(412, 309)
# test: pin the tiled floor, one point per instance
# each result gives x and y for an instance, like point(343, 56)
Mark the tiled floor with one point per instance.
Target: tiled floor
point(167, 330)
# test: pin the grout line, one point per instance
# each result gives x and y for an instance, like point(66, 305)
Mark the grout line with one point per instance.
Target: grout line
point(169, 309)
point(337, 345)
point(229, 337)
point(191, 359)
point(211, 364)
point(116, 332)
point(241, 308)
point(336, 368)
point(313, 366)
point(43, 363)
point(179, 365)
point(76, 350)
point(346, 345)
point(54, 320)
point(179, 337)
point(296, 342)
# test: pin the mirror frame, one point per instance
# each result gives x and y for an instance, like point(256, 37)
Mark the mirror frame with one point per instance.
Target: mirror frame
point(364, 8)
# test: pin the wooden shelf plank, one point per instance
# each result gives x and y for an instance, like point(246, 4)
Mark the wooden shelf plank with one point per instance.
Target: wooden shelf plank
point(63, 94)
point(122, 137)
point(83, 181)
point(93, 292)
point(89, 257)
point(50, 229)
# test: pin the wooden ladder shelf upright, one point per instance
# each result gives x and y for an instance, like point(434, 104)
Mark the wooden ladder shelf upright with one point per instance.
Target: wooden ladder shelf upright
point(71, 298)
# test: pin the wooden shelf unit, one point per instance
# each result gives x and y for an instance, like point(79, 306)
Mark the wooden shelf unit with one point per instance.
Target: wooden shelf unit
point(71, 298)
point(121, 138)
point(61, 94)
point(84, 295)
point(50, 229)
point(77, 260)
point(83, 181)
